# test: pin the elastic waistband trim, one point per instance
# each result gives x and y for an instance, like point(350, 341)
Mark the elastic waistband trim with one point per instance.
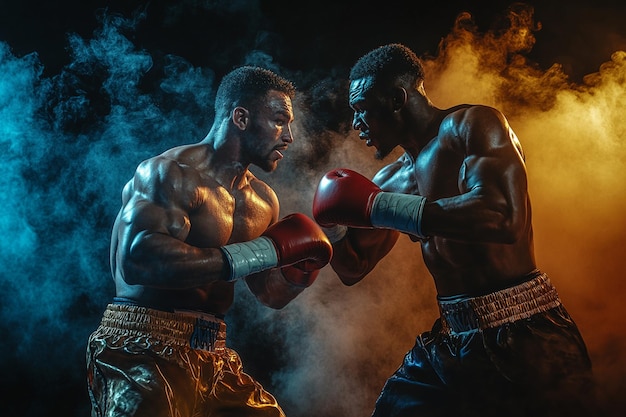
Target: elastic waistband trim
point(182, 328)
point(505, 306)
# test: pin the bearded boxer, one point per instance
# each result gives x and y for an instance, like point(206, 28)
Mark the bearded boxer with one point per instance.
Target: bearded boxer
point(195, 221)
point(504, 344)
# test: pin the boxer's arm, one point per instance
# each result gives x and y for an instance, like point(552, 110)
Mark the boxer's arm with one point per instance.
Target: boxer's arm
point(302, 250)
point(346, 198)
point(493, 202)
point(272, 289)
point(152, 228)
point(359, 252)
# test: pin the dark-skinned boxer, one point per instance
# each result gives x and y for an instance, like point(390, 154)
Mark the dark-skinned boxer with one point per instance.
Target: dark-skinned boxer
point(504, 344)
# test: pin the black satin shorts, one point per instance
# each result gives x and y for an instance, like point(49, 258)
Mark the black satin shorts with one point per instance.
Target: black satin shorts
point(516, 352)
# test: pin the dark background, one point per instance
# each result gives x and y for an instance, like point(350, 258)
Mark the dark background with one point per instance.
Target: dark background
point(88, 89)
point(304, 36)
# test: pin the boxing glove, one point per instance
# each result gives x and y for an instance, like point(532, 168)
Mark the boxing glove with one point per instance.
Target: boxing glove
point(346, 197)
point(294, 240)
point(299, 277)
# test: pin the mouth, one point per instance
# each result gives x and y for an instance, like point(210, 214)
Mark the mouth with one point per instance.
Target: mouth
point(279, 152)
point(365, 136)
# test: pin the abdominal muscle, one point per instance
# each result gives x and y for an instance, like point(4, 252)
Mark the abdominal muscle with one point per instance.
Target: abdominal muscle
point(472, 268)
point(215, 298)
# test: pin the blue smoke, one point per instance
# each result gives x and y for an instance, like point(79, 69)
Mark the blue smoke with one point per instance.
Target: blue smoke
point(70, 142)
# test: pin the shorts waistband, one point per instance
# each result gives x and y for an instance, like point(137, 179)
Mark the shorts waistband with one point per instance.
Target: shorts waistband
point(505, 306)
point(181, 327)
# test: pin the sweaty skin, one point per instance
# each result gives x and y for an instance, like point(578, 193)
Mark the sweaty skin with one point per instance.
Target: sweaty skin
point(469, 165)
point(504, 343)
point(183, 205)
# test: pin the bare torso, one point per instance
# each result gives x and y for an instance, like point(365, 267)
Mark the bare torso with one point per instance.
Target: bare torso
point(466, 264)
point(176, 198)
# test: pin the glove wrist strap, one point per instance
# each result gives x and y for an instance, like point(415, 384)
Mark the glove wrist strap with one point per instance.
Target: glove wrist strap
point(401, 212)
point(250, 257)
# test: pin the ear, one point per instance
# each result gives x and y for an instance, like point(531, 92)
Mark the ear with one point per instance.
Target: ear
point(399, 98)
point(241, 117)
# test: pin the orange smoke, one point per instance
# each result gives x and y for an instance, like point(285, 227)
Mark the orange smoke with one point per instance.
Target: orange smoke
point(574, 137)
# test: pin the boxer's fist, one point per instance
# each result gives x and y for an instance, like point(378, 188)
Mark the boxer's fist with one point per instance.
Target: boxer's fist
point(344, 197)
point(299, 277)
point(302, 247)
point(294, 240)
point(299, 240)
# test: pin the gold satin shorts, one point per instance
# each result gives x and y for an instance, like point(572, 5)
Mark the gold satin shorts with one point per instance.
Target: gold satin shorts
point(150, 363)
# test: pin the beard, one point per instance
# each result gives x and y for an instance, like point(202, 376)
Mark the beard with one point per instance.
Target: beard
point(265, 162)
point(267, 166)
point(257, 154)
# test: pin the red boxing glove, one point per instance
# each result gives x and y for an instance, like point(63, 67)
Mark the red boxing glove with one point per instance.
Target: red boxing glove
point(295, 239)
point(344, 197)
point(300, 242)
point(298, 277)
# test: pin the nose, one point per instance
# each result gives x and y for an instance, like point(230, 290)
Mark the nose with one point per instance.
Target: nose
point(288, 135)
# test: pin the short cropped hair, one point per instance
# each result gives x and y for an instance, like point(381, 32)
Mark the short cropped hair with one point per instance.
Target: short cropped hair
point(387, 63)
point(247, 85)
